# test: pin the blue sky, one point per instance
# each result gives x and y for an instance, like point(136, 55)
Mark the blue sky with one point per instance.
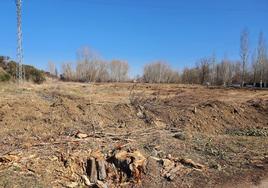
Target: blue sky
point(138, 31)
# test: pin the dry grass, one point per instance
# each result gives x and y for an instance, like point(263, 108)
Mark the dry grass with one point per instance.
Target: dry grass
point(215, 127)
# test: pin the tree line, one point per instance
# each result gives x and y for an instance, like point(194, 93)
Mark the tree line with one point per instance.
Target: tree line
point(252, 68)
point(89, 67)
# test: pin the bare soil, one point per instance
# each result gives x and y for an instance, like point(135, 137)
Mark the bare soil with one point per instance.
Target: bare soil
point(214, 137)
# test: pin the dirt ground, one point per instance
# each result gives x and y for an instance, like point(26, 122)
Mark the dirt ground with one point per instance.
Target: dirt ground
point(190, 136)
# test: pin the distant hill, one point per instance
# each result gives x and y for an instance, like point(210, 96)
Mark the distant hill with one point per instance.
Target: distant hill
point(8, 71)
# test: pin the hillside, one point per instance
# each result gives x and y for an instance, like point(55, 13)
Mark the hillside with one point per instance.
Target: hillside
point(9, 68)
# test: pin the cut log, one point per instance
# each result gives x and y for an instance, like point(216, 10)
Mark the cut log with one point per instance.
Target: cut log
point(92, 170)
point(190, 163)
point(101, 169)
point(131, 163)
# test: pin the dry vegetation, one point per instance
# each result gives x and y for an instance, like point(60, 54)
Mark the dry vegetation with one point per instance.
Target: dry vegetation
point(140, 135)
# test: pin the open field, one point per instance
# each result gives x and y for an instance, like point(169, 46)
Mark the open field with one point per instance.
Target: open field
point(190, 136)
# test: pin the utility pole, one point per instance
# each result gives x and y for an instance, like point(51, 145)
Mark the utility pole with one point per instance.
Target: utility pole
point(20, 72)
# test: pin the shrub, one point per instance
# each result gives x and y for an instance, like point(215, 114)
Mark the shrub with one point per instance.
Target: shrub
point(34, 74)
point(4, 77)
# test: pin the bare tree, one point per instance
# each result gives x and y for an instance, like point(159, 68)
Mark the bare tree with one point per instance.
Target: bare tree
point(237, 73)
point(261, 57)
point(212, 68)
point(103, 71)
point(90, 67)
point(232, 72)
point(160, 72)
point(224, 71)
point(152, 72)
point(203, 65)
point(266, 72)
point(51, 68)
point(119, 70)
point(190, 76)
point(67, 72)
point(254, 63)
point(56, 73)
point(244, 52)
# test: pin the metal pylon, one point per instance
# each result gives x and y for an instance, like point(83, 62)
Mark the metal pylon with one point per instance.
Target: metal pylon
point(19, 68)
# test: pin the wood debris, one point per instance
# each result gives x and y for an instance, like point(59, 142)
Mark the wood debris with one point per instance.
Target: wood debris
point(173, 167)
point(130, 163)
point(9, 158)
point(81, 135)
point(191, 163)
point(86, 180)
